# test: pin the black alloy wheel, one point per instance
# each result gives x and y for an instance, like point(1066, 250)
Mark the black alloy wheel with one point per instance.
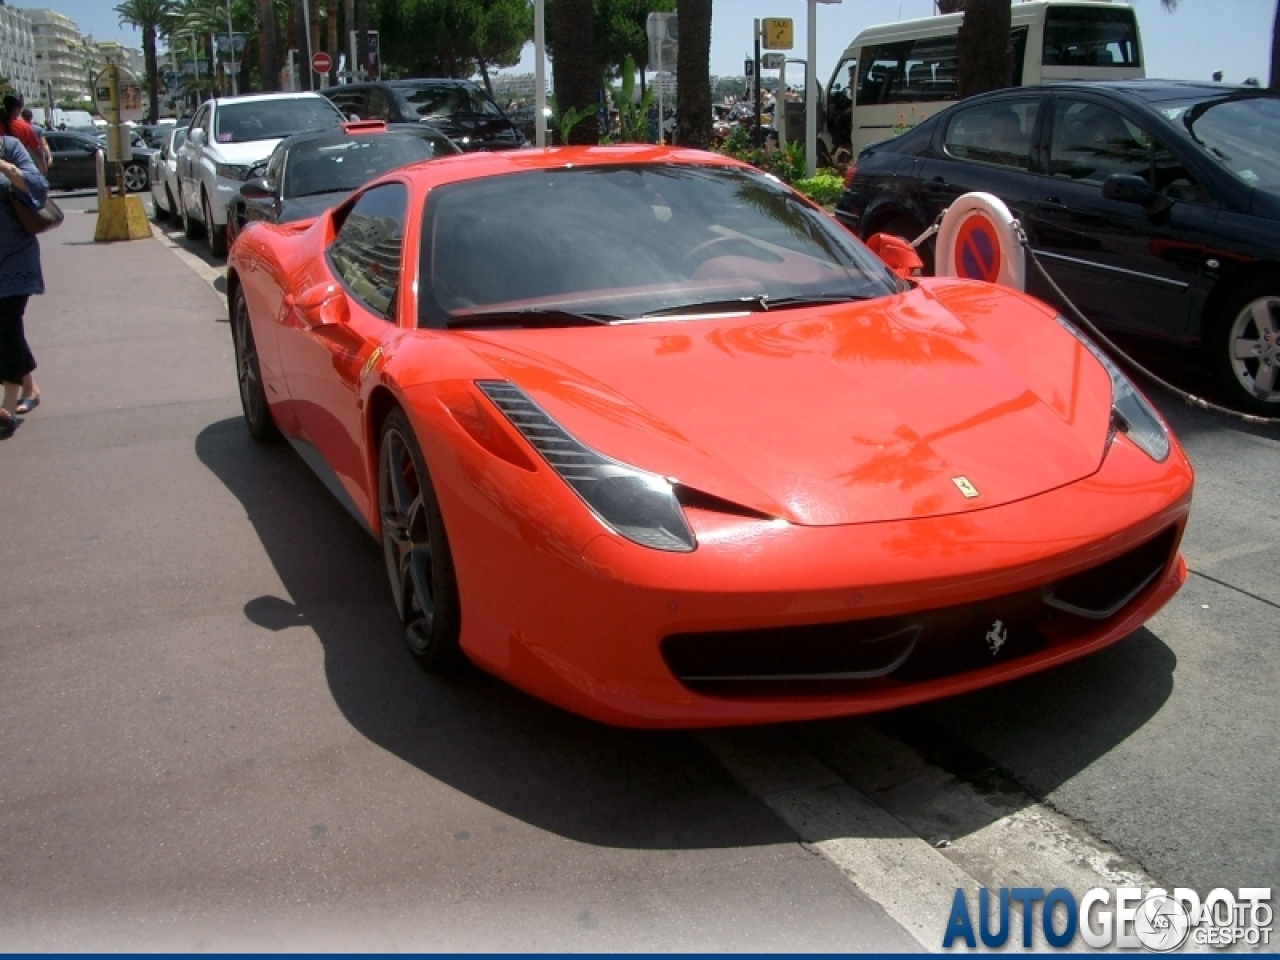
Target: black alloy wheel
point(419, 563)
point(217, 236)
point(253, 396)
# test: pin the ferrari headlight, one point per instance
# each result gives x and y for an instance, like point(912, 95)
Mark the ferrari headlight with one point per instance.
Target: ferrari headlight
point(1130, 412)
point(639, 505)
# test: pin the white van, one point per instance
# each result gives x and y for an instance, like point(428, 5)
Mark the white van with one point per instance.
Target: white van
point(901, 73)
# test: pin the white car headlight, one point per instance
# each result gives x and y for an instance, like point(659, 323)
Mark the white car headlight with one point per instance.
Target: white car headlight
point(639, 505)
point(1131, 414)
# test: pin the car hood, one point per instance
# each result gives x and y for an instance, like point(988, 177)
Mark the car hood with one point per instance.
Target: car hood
point(834, 415)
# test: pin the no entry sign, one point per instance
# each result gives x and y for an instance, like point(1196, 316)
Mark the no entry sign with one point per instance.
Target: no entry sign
point(321, 62)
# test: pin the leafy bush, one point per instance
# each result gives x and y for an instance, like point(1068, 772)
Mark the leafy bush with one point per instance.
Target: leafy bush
point(824, 187)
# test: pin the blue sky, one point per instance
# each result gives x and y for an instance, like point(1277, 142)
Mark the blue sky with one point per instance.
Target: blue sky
point(1201, 36)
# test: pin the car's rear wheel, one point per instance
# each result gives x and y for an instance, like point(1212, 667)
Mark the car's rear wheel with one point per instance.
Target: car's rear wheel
point(136, 178)
point(253, 396)
point(908, 229)
point(216, 235)
point(419, 563)
point(190, 226)
point(1245, 340)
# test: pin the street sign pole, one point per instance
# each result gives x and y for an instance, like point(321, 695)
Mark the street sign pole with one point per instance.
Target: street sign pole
point(539, 74)
point(811, 95)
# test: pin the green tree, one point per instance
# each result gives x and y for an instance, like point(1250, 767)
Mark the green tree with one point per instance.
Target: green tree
point(149, 16)
point(693, 94)
point(505, 27)
point(575, 71)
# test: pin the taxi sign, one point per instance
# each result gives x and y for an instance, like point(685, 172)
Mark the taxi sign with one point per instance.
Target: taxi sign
point(778, 33)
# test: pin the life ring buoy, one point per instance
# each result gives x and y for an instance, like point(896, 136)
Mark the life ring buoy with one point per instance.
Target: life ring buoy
point(976, 240)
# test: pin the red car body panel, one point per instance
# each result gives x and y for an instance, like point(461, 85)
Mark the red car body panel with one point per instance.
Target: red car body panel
point(839, 430)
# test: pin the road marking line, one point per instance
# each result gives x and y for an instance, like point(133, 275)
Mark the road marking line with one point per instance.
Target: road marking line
point(870, 814)
point(214, 276)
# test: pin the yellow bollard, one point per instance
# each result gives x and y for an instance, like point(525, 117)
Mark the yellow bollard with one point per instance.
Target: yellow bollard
point(121, 218)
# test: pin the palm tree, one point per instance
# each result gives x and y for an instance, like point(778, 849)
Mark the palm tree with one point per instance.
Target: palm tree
point(693, 94)
point(149, 16)
point(1275, 51)
point(576, 78)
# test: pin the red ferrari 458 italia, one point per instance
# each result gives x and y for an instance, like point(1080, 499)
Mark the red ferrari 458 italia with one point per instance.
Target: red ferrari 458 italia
point(650, 436)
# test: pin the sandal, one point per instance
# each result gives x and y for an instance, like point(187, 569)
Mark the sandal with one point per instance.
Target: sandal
point(27, 404)
point(8, 423)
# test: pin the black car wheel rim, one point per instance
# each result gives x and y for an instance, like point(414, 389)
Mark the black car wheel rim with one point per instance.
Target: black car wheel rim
point(1254, 342)
point(246, 360)
point(406, 539)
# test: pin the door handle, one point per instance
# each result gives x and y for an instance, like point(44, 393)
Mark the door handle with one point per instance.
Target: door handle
point(936, 185)
point(1051, 205)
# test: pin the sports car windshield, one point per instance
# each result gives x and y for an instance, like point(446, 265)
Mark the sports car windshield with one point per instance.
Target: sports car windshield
point(635, 243)
point(329, 166)
point(1241, 133)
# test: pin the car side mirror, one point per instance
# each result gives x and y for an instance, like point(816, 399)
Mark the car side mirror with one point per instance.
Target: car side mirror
point(898, 255)
point(257, 189)
point(196, 138)
point(320, 306)
point(1126, 188)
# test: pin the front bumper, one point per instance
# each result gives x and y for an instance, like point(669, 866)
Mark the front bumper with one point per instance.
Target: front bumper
point(581, 619)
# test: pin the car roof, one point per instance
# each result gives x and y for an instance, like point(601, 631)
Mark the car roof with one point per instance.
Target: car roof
point(1148, 90)
point(260, 97)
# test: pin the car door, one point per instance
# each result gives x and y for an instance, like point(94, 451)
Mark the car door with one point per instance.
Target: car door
point(987, 148)
point(323, 361)
point(189, 161)
point(1124, 266)
point(74, 162)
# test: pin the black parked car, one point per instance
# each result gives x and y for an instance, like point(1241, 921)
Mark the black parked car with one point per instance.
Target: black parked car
point(310, 172)
point(460, 109)
point(74, 165)
point(1155, 205)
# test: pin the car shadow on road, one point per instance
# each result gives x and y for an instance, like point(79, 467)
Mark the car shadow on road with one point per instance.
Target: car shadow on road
point(563, 774)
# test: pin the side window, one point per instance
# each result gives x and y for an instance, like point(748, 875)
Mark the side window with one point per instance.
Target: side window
point(350, 102)
point(1019, 40)
point(1173, 179)
point(366, 252)
point(931, 72)
point(998, 133)
point(275, 167)
point(881, 72)
point(1092, 142)
point(379, 105)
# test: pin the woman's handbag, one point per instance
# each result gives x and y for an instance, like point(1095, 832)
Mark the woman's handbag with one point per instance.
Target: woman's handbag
point(33, 220)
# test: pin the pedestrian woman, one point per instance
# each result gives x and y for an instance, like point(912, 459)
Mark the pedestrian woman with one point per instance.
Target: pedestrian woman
point(20, 276)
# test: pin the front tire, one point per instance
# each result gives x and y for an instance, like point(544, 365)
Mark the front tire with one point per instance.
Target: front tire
point(253, 395)
point(1245, 345)
point(416, 549)
point(216, 235)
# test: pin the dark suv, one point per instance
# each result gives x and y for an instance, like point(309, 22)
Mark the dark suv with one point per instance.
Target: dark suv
point(459, 109)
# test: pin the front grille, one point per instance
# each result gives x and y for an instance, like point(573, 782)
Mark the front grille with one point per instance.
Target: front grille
point(911, 648)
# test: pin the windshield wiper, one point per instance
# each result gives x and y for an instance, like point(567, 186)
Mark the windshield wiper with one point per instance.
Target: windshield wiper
point(761, 303)
point(534, 316)
point(316, 193)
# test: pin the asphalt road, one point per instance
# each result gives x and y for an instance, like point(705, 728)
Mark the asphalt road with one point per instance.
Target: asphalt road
point(211, 737)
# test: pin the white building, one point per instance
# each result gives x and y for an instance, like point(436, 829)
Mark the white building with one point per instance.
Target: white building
point(18, 53)
point(63, 60)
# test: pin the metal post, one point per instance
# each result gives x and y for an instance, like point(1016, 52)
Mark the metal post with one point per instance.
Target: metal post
point(811, 95)
point(539, 74)
point(780, 105)
point(231, 52)
point(306, 29)
point(757, 138)
point(657, 82)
